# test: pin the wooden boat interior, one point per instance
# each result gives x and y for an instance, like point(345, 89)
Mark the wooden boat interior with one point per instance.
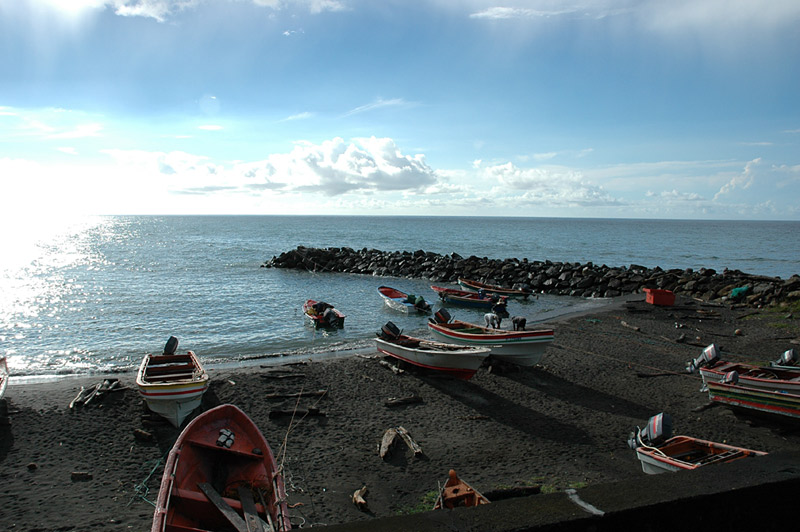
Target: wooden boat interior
point(457, 493)
point(699, 453)
point(167, 368)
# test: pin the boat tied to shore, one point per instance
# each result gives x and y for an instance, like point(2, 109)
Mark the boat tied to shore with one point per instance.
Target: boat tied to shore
point(466, 298)
point(659, 452)
point(524, 348)
point(323, 315)
point(221, 476)
point(471, 284)
point(172, 385)
point(456, 360)
point(399, 300)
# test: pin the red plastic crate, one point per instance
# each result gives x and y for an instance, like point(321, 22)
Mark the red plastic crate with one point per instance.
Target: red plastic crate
point(665, 298)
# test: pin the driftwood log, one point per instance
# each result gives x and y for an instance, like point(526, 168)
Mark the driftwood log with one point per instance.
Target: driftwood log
point(395, 401)
point(359, 499)
point(318, 393)
point(390, 437)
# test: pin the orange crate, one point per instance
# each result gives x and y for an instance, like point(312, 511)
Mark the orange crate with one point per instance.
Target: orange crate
point(665, 298)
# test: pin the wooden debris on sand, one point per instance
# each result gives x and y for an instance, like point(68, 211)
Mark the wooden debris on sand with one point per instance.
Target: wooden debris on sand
point(359, 499)
point(390, 437)
point(400, 401)
point(96, 392)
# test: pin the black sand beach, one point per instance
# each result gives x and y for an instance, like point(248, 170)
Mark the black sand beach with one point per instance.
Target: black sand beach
point(559, 425)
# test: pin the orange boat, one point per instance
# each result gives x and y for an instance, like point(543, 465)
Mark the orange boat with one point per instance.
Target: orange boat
point(221, 476)
point(457, 493)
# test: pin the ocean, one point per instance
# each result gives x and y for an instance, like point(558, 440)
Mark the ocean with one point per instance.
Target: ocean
point(95, 294)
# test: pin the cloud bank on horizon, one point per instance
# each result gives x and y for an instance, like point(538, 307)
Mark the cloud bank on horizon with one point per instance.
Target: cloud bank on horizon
point(614, 108)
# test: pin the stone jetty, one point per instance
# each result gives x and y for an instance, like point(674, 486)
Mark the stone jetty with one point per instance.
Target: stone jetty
point(558, 278)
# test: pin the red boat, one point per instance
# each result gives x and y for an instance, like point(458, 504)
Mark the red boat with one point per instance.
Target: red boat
point(457, 493)
point(221, 476)
point(322, 314)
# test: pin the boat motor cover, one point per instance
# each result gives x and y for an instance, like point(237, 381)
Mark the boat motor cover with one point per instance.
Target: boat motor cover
point(709, 357)
point(732, 377)
point(390, 331)
point(788, 358)
point(658, 429)
point(172, 346)
point(442, 316)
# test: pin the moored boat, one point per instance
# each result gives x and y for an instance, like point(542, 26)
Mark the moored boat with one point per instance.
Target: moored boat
point(172, 385)
point(399, 300)
point(493, 289)
point(456, 360)
point(221, 476)
point(466, 298)
point(659, 453)
point(456, 493)
point(3, 376)
point(322, 314)
point(773, 378)
point(524, 348)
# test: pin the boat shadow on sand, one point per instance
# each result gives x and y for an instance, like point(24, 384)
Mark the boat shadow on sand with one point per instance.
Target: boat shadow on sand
point(499, 409)
point(576, 394)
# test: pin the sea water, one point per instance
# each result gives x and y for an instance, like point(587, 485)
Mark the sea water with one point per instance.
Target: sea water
point(95, 294)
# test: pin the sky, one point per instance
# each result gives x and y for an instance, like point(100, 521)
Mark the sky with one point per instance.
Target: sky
point(680, 109)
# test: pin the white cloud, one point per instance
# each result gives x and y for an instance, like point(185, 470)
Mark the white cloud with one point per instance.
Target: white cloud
point(80, 131)
point(743, 180)
point(377, 104)
point(68, 150)
point(299, 116)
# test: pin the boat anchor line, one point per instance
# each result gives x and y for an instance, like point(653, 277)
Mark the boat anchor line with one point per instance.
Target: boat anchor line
point(573, 496)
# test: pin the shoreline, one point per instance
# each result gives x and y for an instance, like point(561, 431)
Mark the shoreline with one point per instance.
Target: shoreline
point(560, 425)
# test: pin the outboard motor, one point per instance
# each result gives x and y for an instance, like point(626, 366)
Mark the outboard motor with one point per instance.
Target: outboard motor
point(442, 316)
point(500, 309)
point(788, 358)
point(389, 332)
point(732, 377)
point(657, 430)
point(172, 346)
point(709, 357)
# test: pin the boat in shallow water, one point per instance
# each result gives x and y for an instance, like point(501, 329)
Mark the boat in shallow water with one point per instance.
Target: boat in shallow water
point(524, 348)
point(456, 360)
point(399, 300)
point(323, 315)
point(465, 298)
point(493, 289)
point(172, 385)
point(659, 453)
point(221, 476)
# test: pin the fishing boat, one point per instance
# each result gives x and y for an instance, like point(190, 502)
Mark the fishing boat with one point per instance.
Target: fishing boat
point(775, 378)
point(221, 476)
point(399, 300)
point(172, 385)
point(660, 453)
point(459, 361)
point(788, 360)
point(524, 348)
point(3, 376)
point(773, 403)
point(465, 298)
point(322, 314)
point(493, 289)
point(456, 493)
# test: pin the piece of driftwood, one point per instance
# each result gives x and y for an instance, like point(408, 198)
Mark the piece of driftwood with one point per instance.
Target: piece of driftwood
point(283, 375)
point(390, 437)
point(318, 393)
point(359, 499)
point(310, 411)
point(395, 369)
point(629, 326)
point(96, 392)
point(399, 401)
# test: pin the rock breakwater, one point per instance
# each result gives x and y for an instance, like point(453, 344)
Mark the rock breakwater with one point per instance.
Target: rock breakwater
point(558, 278)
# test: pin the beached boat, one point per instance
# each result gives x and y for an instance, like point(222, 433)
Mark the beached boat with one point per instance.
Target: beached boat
point(493, 289)
point(456, 360)
point(659, 453)
point(711, 368)
point(399, 300)
point(3, 376)
point(524, 348)
point(456, 493)
point(221, 475)
point(774, 403)
point(322, 314)
point(465, 298)
point(788, 360)
point(172, 385)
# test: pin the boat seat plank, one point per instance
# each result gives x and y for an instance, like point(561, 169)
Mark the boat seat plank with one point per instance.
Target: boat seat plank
point(191, 495)
point(215, 447)
point(172, 368)
point(169, 378)
point(230, 514)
